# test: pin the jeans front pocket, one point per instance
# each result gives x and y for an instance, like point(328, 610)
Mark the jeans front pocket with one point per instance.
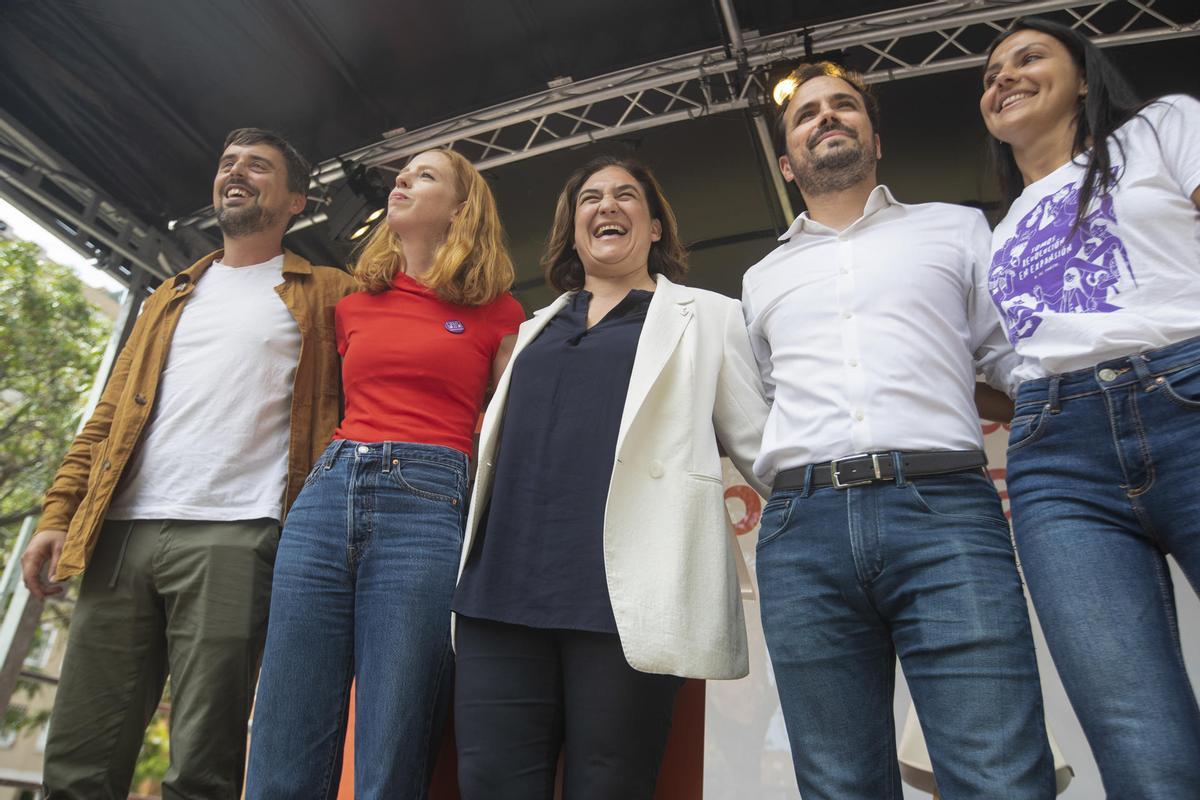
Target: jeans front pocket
point(967, 495)
point(775, 517)
point(1027, 428)
point(1183, 386)
point(432, 480)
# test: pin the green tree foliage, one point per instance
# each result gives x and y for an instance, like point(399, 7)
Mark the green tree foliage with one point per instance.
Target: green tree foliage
point(51, 343)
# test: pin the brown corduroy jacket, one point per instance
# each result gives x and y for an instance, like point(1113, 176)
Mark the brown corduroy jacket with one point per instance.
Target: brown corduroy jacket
point(84, 485)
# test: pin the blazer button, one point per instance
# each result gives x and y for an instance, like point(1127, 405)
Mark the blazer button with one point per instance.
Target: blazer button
point(656, 469)
point(140, 399)
point(106, 464)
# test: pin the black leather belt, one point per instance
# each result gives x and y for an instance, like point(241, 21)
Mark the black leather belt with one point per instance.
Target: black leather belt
point(859, 470)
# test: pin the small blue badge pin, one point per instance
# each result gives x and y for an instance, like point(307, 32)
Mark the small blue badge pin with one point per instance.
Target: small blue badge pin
point(454, 326)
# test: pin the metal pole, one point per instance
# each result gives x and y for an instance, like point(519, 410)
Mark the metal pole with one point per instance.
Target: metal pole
point(761, 130)
point(24, 611)
point(20, 620)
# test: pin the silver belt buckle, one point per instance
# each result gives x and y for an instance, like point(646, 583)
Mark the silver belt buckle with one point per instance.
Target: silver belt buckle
point(833, 471)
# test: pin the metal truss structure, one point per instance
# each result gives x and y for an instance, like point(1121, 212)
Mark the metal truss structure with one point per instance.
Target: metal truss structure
point(919, 40)
point(36, 180)
point(923, 39)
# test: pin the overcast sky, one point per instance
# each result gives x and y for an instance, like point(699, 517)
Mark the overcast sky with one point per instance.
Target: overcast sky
point(25, 228)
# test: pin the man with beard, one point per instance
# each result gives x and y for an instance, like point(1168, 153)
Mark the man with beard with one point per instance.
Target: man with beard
point(884, 535)
point(169, 502)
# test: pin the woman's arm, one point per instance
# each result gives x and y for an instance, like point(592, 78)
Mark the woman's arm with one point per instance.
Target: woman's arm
point(992, 404)
point(503, 354)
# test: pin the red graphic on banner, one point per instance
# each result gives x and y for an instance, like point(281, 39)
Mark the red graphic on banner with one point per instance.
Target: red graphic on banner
point(753, 504)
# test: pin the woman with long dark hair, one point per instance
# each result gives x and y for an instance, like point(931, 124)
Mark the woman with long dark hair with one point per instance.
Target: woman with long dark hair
point(599, 566)
point(1096, 272)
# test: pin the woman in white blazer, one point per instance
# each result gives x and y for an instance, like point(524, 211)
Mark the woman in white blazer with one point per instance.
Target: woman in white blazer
point(599, 567)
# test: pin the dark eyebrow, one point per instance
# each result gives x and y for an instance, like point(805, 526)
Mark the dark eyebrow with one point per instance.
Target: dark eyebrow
point(836, 97)
point(993, 66)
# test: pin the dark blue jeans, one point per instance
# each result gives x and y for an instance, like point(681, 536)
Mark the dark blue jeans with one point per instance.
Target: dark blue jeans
point(363, 580)
point(923, 569)
point(1105, 482)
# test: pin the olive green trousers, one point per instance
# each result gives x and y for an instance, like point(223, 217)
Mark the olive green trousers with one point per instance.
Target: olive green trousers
point(162, 597)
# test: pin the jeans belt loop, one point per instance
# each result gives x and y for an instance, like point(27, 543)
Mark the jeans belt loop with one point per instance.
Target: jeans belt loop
point(808, 474)
point(333, 453)
point(387, 457)
point(1141, 368)
point(898, 467)
point(1055, 381)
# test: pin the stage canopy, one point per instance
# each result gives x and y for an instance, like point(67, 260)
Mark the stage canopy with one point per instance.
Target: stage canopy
point(114, 110)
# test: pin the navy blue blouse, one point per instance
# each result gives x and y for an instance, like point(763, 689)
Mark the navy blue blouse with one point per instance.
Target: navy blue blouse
point(538, 559)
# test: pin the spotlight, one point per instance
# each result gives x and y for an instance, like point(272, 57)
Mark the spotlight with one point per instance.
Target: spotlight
point(359, 203)
point(781, 76)
point(784, 89)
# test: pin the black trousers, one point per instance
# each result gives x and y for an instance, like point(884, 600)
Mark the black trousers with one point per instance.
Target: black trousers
point(523, 694)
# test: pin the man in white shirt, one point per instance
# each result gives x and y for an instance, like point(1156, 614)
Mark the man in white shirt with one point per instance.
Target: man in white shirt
point(884, 535)
point(170, 500)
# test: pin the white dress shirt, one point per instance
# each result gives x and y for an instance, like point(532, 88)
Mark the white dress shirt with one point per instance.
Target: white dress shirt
point(869, 339)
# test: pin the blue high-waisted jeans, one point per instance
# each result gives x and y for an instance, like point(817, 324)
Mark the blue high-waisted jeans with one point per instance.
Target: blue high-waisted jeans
point(1105, 482)
point(363, 581)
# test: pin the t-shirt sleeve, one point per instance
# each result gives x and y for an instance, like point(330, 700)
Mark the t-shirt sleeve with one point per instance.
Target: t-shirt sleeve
point(1176, 118)
point(508, 317)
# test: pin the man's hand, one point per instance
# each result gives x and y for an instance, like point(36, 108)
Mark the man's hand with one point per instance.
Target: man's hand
point(45, 546)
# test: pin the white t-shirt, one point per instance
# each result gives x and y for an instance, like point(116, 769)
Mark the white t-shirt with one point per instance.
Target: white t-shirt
point(1128, 279)
point(216, 445)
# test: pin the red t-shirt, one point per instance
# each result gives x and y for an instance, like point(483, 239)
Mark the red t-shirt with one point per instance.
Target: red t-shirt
point(414, 367)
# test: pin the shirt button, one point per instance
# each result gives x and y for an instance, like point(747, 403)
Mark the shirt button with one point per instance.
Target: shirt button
point(1107, 374)
point(656, 469)
point(846, 315)
point(140, 399)
point(858, 415)
point(853, 362)
point(844, 271)
point(362, 448)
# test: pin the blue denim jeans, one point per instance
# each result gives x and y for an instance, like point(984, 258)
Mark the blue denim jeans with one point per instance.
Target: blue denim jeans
point(1104, 480)
point(923, 569)
point(363, 581)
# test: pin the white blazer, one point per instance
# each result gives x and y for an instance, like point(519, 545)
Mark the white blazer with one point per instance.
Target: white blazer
point(669, 551)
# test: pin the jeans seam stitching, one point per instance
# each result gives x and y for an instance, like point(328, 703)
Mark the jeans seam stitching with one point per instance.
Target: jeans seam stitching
point(1144, 448)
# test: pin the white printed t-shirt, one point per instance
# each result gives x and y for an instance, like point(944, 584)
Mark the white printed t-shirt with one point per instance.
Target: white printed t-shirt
point(216, 446)
point(1128, 279)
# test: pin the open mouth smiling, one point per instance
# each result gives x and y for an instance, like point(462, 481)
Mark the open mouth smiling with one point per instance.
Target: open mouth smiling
point(1015, 97)
point(609, 229)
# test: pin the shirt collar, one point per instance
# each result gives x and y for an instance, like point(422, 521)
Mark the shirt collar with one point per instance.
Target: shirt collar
point(881, 197)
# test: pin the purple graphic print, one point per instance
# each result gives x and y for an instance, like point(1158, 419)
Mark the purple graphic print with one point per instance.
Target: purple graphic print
point(1045, 267)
